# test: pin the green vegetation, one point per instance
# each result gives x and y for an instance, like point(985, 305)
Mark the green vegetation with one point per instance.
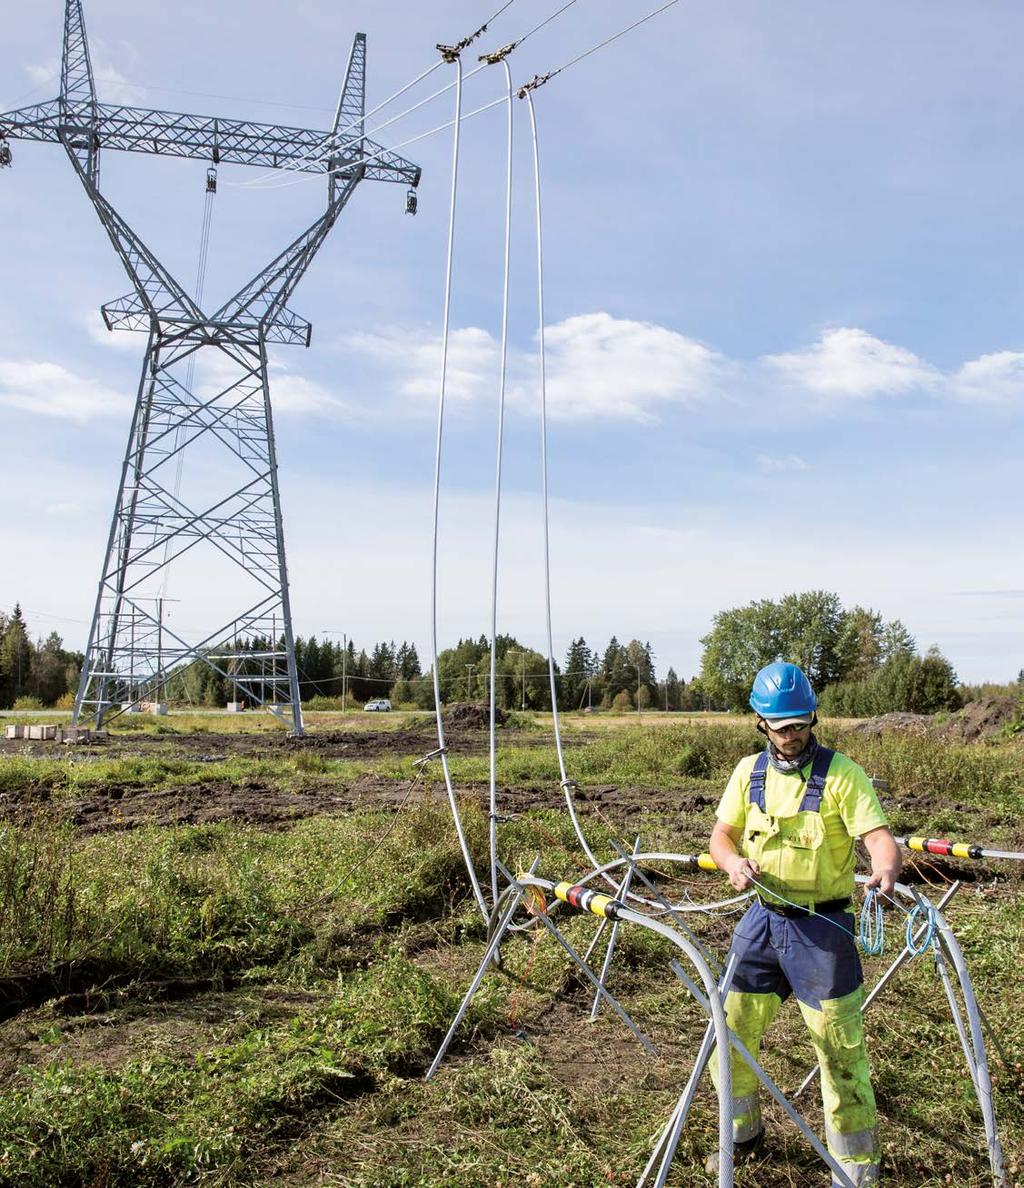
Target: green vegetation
point(240, 1006)
point(858, 664)
point(33, 674)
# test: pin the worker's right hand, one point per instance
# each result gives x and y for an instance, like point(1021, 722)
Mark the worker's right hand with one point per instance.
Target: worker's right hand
point(742, 871)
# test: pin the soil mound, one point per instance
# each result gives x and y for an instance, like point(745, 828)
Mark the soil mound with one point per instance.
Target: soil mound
point(983, 718)
point(469, 716)
point(895, 723)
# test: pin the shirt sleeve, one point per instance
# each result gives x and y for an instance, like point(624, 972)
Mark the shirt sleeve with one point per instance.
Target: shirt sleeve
point(857, 801)
point(732, 808)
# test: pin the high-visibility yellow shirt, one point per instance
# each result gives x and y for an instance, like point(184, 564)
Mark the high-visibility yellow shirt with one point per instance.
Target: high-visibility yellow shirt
point(849, 808)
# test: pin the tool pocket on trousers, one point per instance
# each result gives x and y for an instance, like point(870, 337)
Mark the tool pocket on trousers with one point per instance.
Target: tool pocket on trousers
point(844, 1033)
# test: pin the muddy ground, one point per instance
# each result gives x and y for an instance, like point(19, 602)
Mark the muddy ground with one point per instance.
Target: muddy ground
point(265, 804)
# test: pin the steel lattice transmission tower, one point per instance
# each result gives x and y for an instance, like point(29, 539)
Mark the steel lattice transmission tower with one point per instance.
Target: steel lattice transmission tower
point(235, 519)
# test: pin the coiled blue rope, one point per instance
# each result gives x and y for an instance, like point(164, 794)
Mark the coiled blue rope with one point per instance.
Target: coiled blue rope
point(920, 912)
point(871, 932)
point(872, 924)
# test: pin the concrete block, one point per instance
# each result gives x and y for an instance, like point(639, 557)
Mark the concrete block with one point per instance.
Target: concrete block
point(158, 708)
point(74, 734)
point(42, 733)
point(14, 731)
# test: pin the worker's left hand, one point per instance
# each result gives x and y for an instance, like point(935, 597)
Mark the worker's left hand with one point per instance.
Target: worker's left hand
point(883, 880)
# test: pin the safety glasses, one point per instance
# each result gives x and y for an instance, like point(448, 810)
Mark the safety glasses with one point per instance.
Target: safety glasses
point(792, 728)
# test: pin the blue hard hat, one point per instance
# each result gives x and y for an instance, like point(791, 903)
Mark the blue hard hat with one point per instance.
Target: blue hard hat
point(782, 691)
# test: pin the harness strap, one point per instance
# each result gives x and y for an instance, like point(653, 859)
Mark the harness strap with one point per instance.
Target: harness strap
point(757, 779)
point(814, 790)
point(811, 802)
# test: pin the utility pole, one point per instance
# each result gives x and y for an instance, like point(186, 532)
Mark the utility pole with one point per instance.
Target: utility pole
point(469, 681)
point(522, 655)
point(160, 645)
point(233, 514)
point(344, 669)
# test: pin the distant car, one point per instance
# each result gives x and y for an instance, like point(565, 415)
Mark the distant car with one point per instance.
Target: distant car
point(379, 705)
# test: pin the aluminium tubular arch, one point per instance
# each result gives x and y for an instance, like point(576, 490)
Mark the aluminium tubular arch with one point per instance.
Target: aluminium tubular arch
point(711, 1001)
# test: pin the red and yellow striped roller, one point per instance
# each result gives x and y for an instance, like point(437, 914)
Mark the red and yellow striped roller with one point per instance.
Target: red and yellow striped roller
point(932, 845)
point(585, 900)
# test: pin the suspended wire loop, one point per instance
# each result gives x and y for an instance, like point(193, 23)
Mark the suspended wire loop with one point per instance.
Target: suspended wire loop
point(494, 819)
point(442, 748)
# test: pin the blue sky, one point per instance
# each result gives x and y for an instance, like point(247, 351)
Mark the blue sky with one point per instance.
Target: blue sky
point(784, 316)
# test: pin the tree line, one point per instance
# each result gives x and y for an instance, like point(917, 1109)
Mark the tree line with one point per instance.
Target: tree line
point(34, 672)
point(860, 664)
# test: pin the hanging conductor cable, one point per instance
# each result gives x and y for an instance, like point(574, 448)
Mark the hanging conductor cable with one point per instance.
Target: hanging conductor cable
point(492, 708)
point(566, 784)
point(442, 750)
point(204, 252)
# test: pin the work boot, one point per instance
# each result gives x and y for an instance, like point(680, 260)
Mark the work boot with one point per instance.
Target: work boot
point(743, 1151)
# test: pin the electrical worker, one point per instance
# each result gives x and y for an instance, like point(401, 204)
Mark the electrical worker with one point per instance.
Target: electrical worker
point(786, 826)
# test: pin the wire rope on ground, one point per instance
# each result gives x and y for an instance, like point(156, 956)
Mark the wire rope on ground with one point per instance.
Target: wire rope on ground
point(499, 451)
point(442, 746)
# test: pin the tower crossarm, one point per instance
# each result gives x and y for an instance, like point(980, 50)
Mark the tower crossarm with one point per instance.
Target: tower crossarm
point(209, 138)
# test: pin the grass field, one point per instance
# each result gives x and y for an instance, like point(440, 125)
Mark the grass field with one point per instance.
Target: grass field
point(227, 957)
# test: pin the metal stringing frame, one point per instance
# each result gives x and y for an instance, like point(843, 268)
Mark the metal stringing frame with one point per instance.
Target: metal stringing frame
point(131, 653)
point(711, 1001)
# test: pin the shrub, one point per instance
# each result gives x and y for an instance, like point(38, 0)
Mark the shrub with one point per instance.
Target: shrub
point(28, 703)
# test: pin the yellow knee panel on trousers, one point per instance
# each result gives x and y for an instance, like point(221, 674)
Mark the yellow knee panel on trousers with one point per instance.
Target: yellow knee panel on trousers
point(837, 1031)
point(749, 1015)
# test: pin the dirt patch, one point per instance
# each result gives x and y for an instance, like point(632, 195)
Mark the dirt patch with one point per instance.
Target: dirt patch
point(987, 717)
point(984, 718)
point(471, 716)
point(894, 724)
point(119, 807)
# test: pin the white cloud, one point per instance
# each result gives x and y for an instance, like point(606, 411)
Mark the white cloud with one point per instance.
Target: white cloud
point(113, 87)
point(597, 367)
point(414, 358)
point(118, 340)
point(995, 378)
point(779, 464)
point(290, 395)
point(296, 395)
point(848, 363)
point(54, 391)
point(111, 84)
point(604, 367)
point(41, 73)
